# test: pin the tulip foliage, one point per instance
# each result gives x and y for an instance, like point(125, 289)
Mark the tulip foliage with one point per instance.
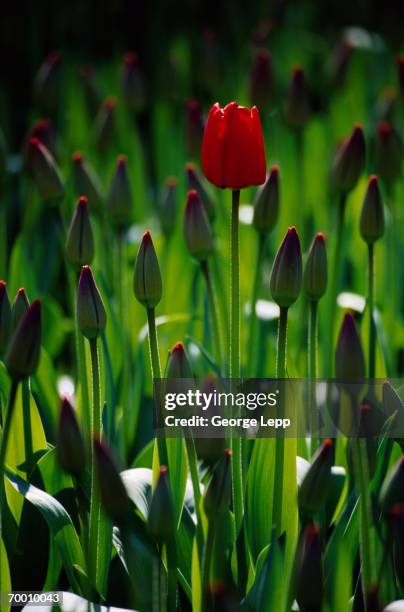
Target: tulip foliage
point(148, 236)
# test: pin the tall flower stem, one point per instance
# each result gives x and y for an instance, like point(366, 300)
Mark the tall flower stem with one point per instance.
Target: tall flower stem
point(27, 425)
point(251, 361)
point(361, 469)
point(193, 470)
point(96, 426)
point(312, 369)
point(372, 327)
point(217, 339)
point(156, 374)
point(336, 271)
point(237, 463)
point(206, 565)
point(280, 441)
point(5, 435)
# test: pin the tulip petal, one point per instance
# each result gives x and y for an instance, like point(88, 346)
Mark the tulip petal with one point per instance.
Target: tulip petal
point(212, 146)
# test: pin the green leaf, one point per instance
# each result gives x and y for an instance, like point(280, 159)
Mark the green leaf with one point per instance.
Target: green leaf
point(269, 591)
point(196, 579)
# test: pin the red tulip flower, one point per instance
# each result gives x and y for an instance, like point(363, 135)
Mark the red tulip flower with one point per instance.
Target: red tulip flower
point(233, 153)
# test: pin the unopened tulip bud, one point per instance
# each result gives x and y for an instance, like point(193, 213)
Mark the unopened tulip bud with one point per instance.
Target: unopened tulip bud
point(45, 172)
point(314, 489)
point(316, 269)
point(160, 520)
point(194, 128)
point(5, 318)
point(70, 449)
point(114, 498)
point(266, 203)
point(339, 62)
point(349, 161)
point(372, 215)
point(47, 84)
point(147, 283)
point(178, 363)
point(194, 181)
point(80, 242)
point(42, 130)
point(86, 182)
point(392, 491)
point(210, 450)
point(197, 230)
point(400, 73)
point(261, 80)
point(91, 315)
point(19, 307)
point(22, 357)
point(349, 358)
point(286, 276)
point(309, 571)
point(120, 201)
point(105, 127)
point(218, 491)
point(92, 97)
point(388, 152)
point(168, 207)
point(133, 86)
point(297, 111)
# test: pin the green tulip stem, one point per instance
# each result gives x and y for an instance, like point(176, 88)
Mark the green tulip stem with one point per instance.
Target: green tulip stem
point(5, 435)
point(96, 427)
point(312, 368)
point(336, 272)
point(171, 555)
point(280, 441)
point(156, 374)
point(237, 463)
point(361, 470)
point(27, 425)
point(372, 327)
point(251, 349)
point(206, 566)
point(193, 470)
point(217, 340)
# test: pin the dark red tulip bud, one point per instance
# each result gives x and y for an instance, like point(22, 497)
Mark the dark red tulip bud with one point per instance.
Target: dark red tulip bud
point(22, 357)
point(178, 363)
point(388, 152)
point(105, 127)
point(194, 128)
point(114, 498)
point(80, 242)
point(309, 571)
point(91, 315)
point(45, 172)
point(147, 283)
point(47, 84)
point(168, 207)
point(297, 110)
point(316, 269)
point(339, 62)
point(133, 87)
point(19, 307)
point(194, 181)
point(210, 449)
point(92, 96)
point(161, 520)
point(349, 161)
point(400, 73)
point(86, 182)
point(266, 203)
point(372, 215)
point(5, 318)
point(314, 488)
point(197, 230)
point(349, 358)
point(392, 491)
point(42, 130)
point(286, 276)
point(120, 201)
point(261, 80)
point(70, 449)
point(233, 153)
point(218, 491)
